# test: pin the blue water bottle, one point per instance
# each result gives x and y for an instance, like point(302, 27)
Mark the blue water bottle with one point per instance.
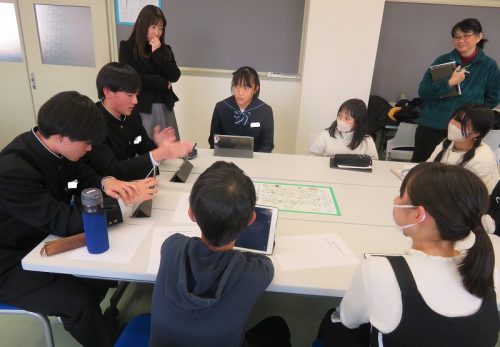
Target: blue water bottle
point(94, 221)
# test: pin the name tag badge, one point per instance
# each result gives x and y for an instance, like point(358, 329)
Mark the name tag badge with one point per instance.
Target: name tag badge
point(137, 140)
point(255, 125)
point(73, 184)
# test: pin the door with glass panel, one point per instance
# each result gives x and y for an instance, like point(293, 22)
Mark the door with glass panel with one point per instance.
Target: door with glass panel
point(16, 106)
point(66, 43)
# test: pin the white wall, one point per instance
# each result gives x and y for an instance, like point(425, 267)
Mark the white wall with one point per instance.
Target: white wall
point(199, 94)
point(340, 49)
point(340, 45)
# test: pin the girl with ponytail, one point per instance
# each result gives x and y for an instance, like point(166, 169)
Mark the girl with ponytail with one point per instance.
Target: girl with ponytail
point(442, 291)
point(463, 146)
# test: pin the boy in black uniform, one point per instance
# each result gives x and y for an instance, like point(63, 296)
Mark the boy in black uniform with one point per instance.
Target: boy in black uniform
point(127, 152)
point(35, 169)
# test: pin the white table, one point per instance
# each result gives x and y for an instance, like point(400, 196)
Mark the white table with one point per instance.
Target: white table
point(365, 223)
point(295, 168)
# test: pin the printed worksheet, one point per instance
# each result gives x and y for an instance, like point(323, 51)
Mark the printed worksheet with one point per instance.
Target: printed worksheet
point(300, 198)
point(313, 251)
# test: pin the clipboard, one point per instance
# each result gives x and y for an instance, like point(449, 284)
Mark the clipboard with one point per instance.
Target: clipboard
point(444, 71)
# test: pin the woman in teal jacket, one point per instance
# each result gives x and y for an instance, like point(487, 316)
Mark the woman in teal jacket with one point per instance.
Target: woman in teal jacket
point(479, 80)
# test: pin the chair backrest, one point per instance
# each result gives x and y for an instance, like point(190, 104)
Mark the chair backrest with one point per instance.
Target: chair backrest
point(401, 146)
point(492, 139)
point(47, 329)
point(136, 332)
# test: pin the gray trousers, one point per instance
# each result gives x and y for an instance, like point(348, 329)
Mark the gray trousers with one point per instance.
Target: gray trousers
point(161, 116)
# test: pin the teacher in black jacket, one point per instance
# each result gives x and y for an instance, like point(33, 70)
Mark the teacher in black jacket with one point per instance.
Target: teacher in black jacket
point(146, 51)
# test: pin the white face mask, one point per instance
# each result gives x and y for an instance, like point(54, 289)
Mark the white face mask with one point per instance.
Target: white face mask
point(406, 226)
point(343, 127)
point(455, 134)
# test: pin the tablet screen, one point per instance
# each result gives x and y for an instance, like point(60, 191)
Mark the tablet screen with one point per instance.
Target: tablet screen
point(259, 236)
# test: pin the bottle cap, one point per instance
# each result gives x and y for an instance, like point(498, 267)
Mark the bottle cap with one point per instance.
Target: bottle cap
point(92, 197)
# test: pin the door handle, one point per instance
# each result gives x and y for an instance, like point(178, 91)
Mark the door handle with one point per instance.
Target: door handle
point(33, 81)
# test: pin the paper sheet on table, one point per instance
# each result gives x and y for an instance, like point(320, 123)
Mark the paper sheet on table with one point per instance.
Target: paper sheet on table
point(160, 235)
point(302, 198)
point(312, 251)
point(401, 172)
point(181, 211)
point(124, 239)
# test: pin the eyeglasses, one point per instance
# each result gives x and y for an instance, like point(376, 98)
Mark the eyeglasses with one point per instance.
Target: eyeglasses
point(464, 37)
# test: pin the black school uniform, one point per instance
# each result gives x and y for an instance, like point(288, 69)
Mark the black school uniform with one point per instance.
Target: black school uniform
point(155, 73)
point(256, 121)
point(35, 202)
point(124, 153)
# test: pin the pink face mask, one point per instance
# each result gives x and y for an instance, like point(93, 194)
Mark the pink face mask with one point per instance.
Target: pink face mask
point(343, 127)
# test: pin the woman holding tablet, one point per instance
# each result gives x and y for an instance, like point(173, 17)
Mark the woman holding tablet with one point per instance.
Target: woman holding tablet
point(347, 133)
point(442, 291)
point(243, 113)
point(478, 77)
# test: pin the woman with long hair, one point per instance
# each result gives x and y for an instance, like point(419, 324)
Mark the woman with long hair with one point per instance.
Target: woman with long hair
point(154, 61)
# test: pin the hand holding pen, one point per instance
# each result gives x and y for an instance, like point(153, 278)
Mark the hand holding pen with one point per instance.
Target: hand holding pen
point(458, 76)
point(146, 188)
point(464, 69)
point(193, 153)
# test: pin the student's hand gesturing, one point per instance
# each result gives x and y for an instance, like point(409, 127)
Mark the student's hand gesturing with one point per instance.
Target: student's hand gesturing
point(167, 134)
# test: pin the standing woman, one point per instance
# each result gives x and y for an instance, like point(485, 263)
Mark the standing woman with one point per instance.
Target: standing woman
point(479, 80)
point(146, 51)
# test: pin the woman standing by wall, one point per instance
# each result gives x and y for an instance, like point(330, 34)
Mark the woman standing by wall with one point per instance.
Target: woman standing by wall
point(479, 80)
point(147, 52)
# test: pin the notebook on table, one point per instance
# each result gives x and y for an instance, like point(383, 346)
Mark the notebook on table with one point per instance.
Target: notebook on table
point(233, 146)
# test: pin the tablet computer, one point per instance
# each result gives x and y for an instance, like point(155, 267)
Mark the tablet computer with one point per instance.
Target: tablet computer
point(444, 71)
point(258, 237)
point(233, 146)
point(142, 210)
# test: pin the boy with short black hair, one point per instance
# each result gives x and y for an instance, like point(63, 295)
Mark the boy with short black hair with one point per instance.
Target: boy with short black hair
point(205, 289)
point(35, 169)
point(127, 152)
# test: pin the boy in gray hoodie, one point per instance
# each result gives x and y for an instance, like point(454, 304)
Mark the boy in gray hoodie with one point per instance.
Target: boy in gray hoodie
point(205, 290)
